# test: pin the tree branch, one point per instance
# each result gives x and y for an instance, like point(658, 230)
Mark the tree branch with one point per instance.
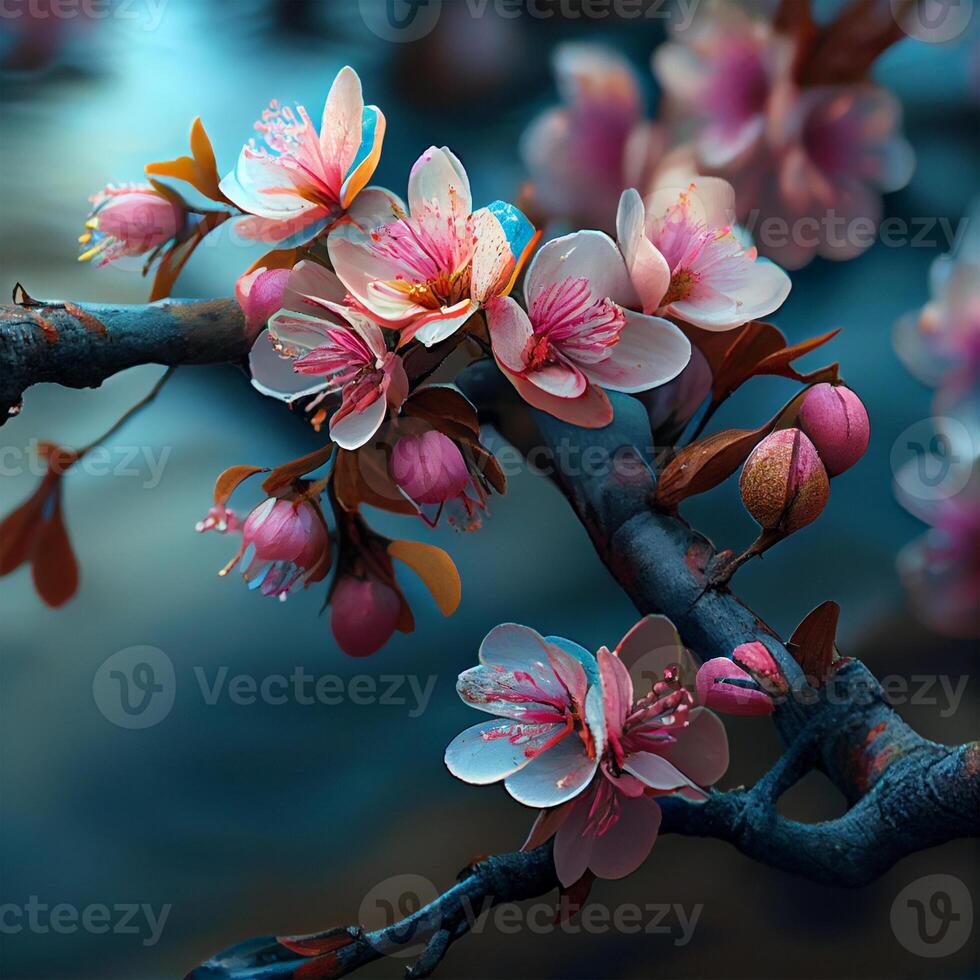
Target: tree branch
point(79, 345)
point(906, 792)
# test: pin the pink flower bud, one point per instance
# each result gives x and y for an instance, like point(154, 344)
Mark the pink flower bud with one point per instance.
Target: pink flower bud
point(756, 658)
point(429, 468)
point(287, 539)
point(837, 423)
point(363, 614)
point(259, 294)
point(784, 485)
point(731, 699)
point(130, 221)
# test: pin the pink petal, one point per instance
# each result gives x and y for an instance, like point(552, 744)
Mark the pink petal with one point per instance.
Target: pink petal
point(439, 179)
point(591, 410)
point(546, 825)
point(354, 429)
point(259, 185)
point(563, 380)
point(555, 776)
point(573, 847)
point(656, 772)
point(311, 283)
point(273, 375)
point(590, 255)
point(627, 844)
point(514, 647)
point(340, 129)
point(650, 351)
point(493, 261)
point(510, 332)
point(701, 749)
point(494, 750)
point(648, 269)
point(432, 328)
point(617, 691)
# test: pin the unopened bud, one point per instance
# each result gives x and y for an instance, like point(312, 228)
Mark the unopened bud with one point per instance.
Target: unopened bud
point(836, 422)
point(784, 485)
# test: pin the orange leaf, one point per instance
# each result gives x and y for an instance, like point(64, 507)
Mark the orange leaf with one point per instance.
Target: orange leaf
point(812, 642)
point(489, 467)
point(436, 569)
point(53, 564)
point(199, 170)
point(228, 482)
point(283, 475)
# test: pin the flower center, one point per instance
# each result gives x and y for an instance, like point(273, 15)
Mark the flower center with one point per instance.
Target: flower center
point(682, 281)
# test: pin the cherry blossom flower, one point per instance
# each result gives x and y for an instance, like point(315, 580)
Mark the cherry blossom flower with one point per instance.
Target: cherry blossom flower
point(427, 269)
point(302, 180)
point(580, 332)
point(340, 346)
point(130, 219)
point(548, 734)
point(284, 541)
point(364, 613)
point(941, 569)
point(582, 154)
point(656, 744)
point(685, 260)
point(814, 159)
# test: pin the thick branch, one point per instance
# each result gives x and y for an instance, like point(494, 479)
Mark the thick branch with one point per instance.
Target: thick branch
point(79, 345)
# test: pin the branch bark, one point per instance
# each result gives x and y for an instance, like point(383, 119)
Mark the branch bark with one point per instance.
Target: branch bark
point(906, 792)
point(79, 345)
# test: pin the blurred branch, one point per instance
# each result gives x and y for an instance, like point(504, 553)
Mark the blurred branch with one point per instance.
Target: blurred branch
point(905, 792)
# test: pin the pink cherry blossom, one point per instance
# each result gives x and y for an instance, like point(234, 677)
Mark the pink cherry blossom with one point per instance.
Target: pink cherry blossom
point(130, 219)
point(941, 569)
point(581, 154)
point(809, 163)
point(547, 737)
point(656, 744)
point(715, 692)
point(340, 346)
point(283, 542)
point(580, 333)
point(686, 262)
point(302, 180)
point(427, 269)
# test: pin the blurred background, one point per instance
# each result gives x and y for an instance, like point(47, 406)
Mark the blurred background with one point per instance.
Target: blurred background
point(249, 819)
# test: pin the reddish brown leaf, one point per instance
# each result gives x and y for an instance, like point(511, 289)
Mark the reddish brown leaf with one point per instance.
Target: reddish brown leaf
point(704, 464)
point(19, 528)
point(318, 943)
point(282, 476)
point(53, 564)
point(489, 466)
point(227, 482)
point(813, 641)
point(278, 258)
point(362, 477)
point(446, 409)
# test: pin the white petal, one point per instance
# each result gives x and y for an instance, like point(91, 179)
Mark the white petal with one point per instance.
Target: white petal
point(590, 255)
